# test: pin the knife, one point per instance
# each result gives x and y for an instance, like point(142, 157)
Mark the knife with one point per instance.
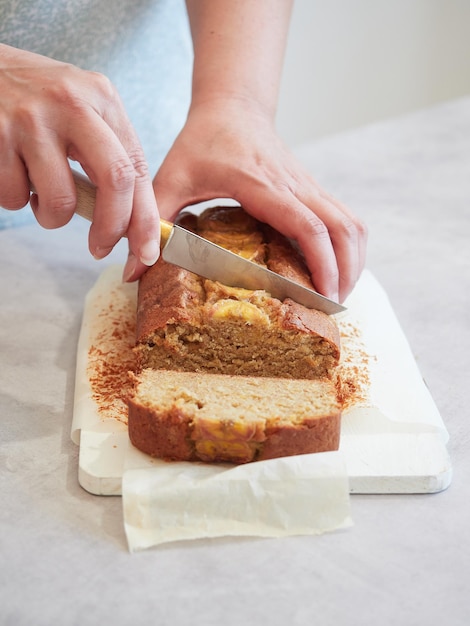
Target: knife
point(194, 253)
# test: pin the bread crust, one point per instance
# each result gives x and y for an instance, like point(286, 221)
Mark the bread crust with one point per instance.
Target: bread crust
point(169, 436)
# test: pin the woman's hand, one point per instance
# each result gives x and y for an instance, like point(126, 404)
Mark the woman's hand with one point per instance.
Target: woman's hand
point(52, 111)
point(229, 149)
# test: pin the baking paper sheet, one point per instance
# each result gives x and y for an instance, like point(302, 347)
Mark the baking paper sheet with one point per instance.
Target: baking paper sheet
point(392, 440)
point(276, 498)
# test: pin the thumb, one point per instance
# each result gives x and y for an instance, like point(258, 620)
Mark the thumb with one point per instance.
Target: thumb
point(173, 191)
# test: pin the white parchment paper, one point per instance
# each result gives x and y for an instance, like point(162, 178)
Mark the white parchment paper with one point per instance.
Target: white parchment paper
point(290, 496)
point(307, 494)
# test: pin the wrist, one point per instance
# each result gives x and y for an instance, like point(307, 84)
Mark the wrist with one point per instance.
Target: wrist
point(230, 103)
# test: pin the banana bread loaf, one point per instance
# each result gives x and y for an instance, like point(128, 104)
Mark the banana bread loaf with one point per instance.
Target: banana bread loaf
point(232, 375)
point(188, 323)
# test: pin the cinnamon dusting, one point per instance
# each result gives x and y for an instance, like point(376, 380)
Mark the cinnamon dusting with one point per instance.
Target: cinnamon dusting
point(111, 357)
point(352, 376)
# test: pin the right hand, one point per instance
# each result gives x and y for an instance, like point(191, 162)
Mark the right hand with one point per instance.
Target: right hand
point(229, 149)
point(51, 111)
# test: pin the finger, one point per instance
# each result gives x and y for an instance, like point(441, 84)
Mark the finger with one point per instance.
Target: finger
point(119, 170)
point(359, 226)
point(143, 251)
point(348, 236)
point(144, 227)
point(54, 199)
point(288, 215)
point(133, 269)
point(143, 232)
point(14, 184)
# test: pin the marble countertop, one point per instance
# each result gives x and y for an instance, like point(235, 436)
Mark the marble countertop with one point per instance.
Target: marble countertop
point(406, 560)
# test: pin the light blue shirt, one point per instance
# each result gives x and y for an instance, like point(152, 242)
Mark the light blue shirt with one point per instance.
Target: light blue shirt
point(143, 46)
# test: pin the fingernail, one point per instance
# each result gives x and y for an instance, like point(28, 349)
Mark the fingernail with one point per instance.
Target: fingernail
point(129, 268)
point(149, 252)
point(100, 253)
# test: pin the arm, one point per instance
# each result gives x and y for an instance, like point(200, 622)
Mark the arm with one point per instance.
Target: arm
point(51, 111)
point(239, 50)
point(229, 147)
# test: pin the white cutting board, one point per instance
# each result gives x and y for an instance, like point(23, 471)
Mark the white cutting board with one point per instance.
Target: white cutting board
point(393, 442)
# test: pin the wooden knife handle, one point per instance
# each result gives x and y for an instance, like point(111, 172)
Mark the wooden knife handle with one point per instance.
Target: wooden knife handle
point(86, 200)
point(86, 196)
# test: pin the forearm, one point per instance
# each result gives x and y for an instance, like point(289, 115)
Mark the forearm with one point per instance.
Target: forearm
point(239, 49)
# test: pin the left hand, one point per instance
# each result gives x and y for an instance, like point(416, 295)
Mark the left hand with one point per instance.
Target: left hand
point(229, 149)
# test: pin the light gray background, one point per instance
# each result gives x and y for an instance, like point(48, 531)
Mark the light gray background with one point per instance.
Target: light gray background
point(405, 561)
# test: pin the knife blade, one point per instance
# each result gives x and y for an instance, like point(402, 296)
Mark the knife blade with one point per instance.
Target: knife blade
point(194, 253)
